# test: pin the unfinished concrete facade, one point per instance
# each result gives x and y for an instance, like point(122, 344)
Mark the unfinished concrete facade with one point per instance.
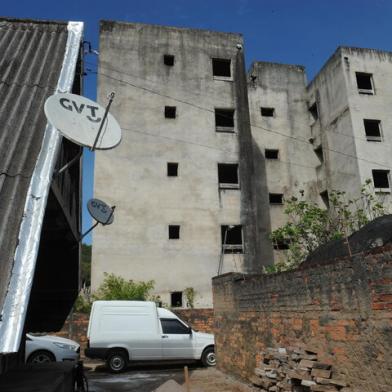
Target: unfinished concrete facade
point(182, 177)
point(351, 128)
point(209, 153)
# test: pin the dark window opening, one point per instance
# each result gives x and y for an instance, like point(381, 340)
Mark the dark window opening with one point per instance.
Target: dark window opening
point(325, 198)
point(176, 299)
point(221, 67)
point(231, 237)
point(281, 245)
point(170, 111)
point(276, 198)
point(372, 130)
point(314, 111)
point(228, 175)
point(172, 169)
point(271, 154)
point(168, 59)
point(381, 178)
point(174, 232)
point(319, 152)
point(364, 82)
point(224, 119)
point(267, 112)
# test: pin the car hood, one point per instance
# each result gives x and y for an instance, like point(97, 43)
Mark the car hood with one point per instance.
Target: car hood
point(205, 337)
point(52, 339)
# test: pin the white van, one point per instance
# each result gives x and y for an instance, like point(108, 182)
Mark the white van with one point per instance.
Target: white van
point(123, 331)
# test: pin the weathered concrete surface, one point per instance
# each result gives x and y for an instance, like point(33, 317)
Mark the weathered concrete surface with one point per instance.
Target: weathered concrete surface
point(283, 88)
point(133, 176)
point(349, 156)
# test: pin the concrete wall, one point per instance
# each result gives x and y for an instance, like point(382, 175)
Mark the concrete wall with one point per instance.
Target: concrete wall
point(133, 176)
point(283, 88)
point(373, 155)
point(342, 310)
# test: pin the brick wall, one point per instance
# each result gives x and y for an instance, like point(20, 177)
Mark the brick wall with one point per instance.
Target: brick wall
point(75, 327)
point(342, 310)
point(201, 320)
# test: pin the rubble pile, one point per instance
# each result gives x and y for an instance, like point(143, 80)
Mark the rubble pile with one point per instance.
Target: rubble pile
point(295, 369)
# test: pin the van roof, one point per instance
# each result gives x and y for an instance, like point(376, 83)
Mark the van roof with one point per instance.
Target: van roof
point(164, 313)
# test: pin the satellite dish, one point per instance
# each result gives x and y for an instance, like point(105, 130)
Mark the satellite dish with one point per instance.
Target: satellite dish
point(100, 211)
point(79, 120)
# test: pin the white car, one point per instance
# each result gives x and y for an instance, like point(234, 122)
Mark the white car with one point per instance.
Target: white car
point(48, 348)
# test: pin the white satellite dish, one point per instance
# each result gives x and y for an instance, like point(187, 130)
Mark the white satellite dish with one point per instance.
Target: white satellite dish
point(100, 211)
point(79, 120)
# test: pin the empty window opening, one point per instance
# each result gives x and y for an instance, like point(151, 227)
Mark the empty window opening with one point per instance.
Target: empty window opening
point(381, 179)
point(228, 175)
point(172, 169)
point(319, 152)
point(314, 111)
point(176, 299)
point(221, 67)
point(170, 111)
point(325, 198)
point(372, 130)
point(276, 198)
point(231, 236)
point(174, 232)
point(364, 83)
point(281, 245)
point(224, 120)
point(268, 112)
point(168, 59)
point(271, 154)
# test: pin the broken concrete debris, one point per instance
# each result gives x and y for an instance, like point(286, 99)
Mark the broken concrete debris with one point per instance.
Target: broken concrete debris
point(295, 369)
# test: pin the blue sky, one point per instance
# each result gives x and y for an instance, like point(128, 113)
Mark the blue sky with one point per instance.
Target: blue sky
point(302, 32)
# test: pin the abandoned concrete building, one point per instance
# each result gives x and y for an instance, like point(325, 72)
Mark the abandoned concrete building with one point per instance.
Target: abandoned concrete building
point(209, 151)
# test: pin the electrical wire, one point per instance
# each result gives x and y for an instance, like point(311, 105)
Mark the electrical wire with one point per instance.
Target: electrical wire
point(213, 111)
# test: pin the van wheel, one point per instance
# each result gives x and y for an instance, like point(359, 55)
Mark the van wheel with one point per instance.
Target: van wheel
point(208, 358)
point(117, 361)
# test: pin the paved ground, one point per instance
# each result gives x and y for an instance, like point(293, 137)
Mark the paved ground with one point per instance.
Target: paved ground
point(144, 378)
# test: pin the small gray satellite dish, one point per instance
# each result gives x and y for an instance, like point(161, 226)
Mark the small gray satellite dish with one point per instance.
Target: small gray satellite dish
point(100, 211)
point(79, 120)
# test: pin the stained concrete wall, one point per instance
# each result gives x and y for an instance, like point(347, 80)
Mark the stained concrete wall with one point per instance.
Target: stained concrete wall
point(283, 88)
point(373, 155)
point(348, 156)
point(133, 176)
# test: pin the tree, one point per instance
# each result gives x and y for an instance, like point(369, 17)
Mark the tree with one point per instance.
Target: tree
point(85, 267)
point(310, 226)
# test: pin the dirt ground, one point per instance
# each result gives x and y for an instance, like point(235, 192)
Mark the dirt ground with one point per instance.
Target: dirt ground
point(212, 380)
point(149, 378)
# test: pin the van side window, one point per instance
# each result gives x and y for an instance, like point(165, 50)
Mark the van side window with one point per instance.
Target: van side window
point(173, 326)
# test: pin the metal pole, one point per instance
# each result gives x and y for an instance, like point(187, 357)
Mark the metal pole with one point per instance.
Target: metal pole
point(222, 251)
point(88, 231)
point(111, 97)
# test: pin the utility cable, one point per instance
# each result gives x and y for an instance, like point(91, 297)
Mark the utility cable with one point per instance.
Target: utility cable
point(253, 125)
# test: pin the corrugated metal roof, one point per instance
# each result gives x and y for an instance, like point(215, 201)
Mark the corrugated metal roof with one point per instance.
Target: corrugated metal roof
point(32, 54)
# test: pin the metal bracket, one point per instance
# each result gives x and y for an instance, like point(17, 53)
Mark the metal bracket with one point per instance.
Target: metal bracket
point(69, 164)
point(111, 97)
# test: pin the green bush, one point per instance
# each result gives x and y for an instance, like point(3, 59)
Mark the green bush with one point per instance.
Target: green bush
point(310, 226)
point(117, 288)
point(113, 288)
